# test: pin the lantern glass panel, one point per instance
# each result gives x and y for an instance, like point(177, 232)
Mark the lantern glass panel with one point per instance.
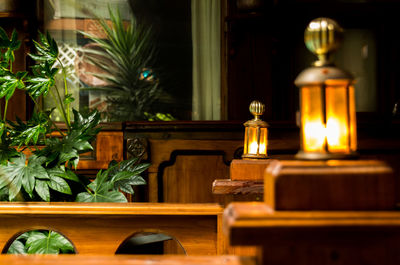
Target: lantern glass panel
point(353, 123)
point(337, 119)
point(263, 141)
point(313, 127)
point(252, 144)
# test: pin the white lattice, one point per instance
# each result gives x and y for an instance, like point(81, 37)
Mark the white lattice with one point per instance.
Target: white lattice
point(67, 55)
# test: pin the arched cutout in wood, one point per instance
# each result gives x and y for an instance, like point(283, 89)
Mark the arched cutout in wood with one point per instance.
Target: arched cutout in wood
point(17, 235)
point(151, 243)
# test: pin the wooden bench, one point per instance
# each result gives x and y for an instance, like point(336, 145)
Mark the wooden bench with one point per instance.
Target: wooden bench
point(315, 237)
point(124, 260)
point(100, 228)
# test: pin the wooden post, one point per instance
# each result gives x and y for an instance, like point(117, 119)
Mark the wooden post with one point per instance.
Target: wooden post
point(321, 212)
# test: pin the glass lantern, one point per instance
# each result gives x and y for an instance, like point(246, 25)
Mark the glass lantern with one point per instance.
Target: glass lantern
point(327, 98)
point(256, 134)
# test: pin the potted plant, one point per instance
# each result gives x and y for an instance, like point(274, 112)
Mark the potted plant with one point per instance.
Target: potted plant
point(124, 57)
point(48, 173)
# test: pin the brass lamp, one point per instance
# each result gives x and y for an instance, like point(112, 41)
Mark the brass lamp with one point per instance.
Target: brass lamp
point(256, 132)
point(327, 100)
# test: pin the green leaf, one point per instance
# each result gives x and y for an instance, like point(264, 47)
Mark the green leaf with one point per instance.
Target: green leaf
point(59, 184)
point(42, 190)
point(17, 247)
point(68, 99)
point(28, 182)
point(47, 243)
point(9, 82)
point(126, 174)
point(84, 197)
point(102, 190)
point(47, 49)
point(82, 146)
point(66, 174)
point(30, 132)
point(121, 176)
point(110, 196)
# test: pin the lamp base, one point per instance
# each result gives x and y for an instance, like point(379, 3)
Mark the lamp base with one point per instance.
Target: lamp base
point(248, 169)
point(255, 157)
point(301, 155)
point(293, 185)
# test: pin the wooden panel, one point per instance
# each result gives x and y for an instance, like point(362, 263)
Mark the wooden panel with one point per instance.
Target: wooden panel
point(123, 260)
point(315, 237)
point(241, 169)
point(108, 146)
point(190, 179)
point(330, 185)
point(101, 227)
point(184, 170)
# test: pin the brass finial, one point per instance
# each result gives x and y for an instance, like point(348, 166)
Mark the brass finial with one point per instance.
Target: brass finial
point(257, 109)
point(322, 37)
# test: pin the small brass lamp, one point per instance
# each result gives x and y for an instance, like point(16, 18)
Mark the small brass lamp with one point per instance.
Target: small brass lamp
point(327, 100)
point(256, 133)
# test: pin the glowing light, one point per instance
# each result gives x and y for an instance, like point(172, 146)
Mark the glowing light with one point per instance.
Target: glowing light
point(314, 25)
point(314, 133)
point(337, 134)
point(253, 148)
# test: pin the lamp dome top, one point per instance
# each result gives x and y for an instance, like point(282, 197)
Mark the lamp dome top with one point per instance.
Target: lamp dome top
point(257, 108)
point(322, 37)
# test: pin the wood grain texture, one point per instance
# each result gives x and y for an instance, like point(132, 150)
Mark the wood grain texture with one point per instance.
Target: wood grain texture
point(315, 237)
point(109, 145)
point(330, 185)
point(241, 169)
point(123, 260)
point(237, 187)
point(190, 179)
point(183, 170)
point(99, 228)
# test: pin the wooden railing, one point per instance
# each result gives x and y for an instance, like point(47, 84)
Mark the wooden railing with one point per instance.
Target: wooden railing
point(100, 228)
point(124, 260)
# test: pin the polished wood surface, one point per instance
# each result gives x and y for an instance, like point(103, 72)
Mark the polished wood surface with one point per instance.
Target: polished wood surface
point(123, 260)
point(184, 169)
point(109, 145)
point(99, 228)
point(315, 237)
point(330, 185)
point(249, 169)
point(237, 187)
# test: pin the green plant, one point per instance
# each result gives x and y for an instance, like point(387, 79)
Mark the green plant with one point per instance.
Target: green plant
point(41, 242)
point(125, 56)
point(48, 174)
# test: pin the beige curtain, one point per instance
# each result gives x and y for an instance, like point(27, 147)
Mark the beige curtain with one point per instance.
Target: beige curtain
point(206, 59)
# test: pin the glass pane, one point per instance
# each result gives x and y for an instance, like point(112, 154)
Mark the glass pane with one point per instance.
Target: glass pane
point(179, 79)
point(337, 122)
point(263, 141)
point(252, 140)
point(358, 55)
point(313, 127)
point(353, 122)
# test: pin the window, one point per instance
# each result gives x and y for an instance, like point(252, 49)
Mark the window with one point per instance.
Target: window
point(186, 36)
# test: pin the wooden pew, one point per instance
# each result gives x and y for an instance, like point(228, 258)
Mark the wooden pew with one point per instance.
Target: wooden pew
point(124, 260)
point(100, 228)
point(315, 237)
